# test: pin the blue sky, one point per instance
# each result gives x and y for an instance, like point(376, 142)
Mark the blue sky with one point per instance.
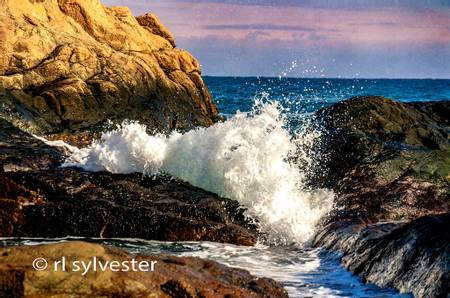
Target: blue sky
point(383, 39)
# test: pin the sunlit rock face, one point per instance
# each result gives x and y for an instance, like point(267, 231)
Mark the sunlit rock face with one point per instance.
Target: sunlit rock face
point(71, 65)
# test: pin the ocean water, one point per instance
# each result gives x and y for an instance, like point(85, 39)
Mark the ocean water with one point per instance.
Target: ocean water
point(248, 158)
point(303, 95)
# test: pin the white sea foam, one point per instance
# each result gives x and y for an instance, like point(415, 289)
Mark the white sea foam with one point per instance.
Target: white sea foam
point(58, 143)
point(244, 158)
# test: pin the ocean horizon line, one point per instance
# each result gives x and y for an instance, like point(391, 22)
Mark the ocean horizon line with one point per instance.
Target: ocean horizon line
point(320, 78)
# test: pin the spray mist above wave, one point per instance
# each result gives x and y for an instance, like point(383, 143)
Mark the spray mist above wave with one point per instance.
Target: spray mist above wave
point(244, 158)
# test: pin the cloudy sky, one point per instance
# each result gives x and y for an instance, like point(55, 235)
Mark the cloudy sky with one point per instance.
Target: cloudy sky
point(316, 38)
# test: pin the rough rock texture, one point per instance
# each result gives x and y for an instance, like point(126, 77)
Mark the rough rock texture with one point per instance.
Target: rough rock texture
point(386, 160)
point(389, 164)
point(173, 277)
point(412, 257)
point(37, 199)
point(19, 151)
point(71, 65)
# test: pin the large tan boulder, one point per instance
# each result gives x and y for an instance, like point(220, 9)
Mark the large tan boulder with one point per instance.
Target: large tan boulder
point(69, 65)
point(171, 276)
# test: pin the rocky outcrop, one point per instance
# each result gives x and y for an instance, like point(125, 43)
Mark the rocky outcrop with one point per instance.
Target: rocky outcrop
point(172, 276)
point(386, 160)
point(413, 257)
point(389, 164)
point(39, 199)
point(72, 65)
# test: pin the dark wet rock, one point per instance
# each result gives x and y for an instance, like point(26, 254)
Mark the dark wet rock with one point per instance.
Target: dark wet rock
point(386, 160)
point(389, 165)
point(174, 277)
point(39, 199)
point(20, 151)
point(72, 65)
point(70, 202)
point(410, 256)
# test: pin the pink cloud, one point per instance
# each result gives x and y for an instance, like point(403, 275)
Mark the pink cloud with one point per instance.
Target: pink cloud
point(387, 26)
point(396, 41)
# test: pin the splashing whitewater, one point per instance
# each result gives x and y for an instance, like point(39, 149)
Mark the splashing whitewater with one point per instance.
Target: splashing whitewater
point(244, 158)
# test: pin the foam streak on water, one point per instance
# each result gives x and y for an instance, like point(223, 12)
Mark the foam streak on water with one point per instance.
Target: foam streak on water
point(244, 158)
point(303, 272)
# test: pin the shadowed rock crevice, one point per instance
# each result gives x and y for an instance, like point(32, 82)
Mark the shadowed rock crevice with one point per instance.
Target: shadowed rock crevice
point(175, 290)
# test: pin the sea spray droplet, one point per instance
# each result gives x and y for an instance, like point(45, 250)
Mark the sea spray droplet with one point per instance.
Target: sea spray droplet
point(244, 158)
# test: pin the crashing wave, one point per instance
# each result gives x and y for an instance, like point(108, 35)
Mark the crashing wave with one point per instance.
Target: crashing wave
point(245, 158)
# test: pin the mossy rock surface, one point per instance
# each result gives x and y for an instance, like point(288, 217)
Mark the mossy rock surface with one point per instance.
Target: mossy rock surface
point(385, 159)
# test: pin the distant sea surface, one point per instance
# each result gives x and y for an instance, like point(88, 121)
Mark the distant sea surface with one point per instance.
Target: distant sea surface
point(300, 95)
